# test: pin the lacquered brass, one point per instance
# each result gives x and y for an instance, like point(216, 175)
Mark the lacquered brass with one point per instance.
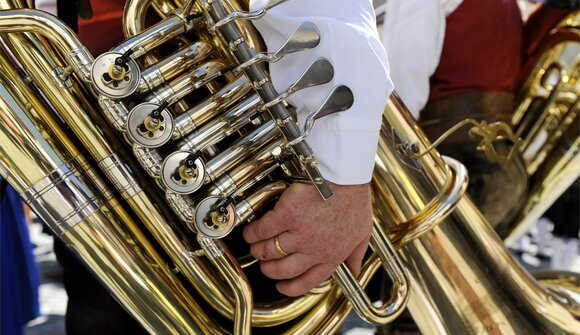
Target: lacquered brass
point(546, 118)
point(231, 129)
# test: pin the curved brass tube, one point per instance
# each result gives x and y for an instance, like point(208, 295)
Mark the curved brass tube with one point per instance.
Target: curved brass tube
point(42, 23)
point(134, 16)
point(228, 267)
point(463, 278)
point(390, 310)
point(58, 184)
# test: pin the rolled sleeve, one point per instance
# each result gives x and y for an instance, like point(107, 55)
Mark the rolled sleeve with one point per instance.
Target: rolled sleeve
point(344, 143)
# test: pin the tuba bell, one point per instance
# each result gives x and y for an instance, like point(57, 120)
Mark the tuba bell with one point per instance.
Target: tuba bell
point(145, 161)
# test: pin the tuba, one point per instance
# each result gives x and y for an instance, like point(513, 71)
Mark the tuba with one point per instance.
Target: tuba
point(546, 113)
point(145, 161)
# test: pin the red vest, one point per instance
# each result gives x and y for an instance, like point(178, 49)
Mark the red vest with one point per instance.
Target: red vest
point(482, 50)
point(104, 30)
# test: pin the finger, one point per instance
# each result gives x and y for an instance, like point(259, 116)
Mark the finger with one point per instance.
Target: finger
point(354, 261)
point(266, 227)
point(288, 267)
point(305, 282)
point(267, 251)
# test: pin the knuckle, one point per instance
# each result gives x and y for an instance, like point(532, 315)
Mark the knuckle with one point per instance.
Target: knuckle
point(260, 231)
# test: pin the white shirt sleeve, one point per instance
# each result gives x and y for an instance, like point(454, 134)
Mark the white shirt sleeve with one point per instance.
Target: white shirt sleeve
point(344, 143)
point(413, 34)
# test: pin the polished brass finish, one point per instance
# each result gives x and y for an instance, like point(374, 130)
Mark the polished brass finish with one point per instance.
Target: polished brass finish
point(243, 142)
point(463, 279)
point(173, 239)
point(206, 264)
point(489, 133)
point(360, 302)
point(58, 183)
point(546, 118)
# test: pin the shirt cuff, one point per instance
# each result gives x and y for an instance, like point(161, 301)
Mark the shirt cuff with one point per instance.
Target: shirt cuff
point(343, 143)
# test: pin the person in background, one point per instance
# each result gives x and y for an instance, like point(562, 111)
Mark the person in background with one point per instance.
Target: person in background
point(19, 277)
point(452, 60)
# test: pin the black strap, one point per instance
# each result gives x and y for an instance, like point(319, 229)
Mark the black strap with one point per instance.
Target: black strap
point(564, 4)
point(67, 11)
point(3, 186)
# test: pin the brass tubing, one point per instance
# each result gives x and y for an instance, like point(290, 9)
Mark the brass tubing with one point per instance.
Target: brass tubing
point(334, 308)
point(240, 150)
point(362, 305)
point(154, 36)
point(222, 127)
point(169, 67)
point(211, 107)
point(233, 274)
point(286, 309)
point(172, 238)
point(234, 180)
point(134, 14)
point(546, 117)
point(435, 211)
point(62, 189)
point(210, 134)
point(30, 20)
point(252, 203)
point(464, 280)
point(567, 120)
point(557, 174)
point(42, 23)
point(187, 83)
point(265, 194)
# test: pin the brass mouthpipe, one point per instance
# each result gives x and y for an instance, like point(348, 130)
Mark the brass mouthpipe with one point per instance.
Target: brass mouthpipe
point(211, 107)
point(169, 67)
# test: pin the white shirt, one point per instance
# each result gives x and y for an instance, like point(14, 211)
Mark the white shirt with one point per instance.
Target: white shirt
point(413, 34)
point(344, 143)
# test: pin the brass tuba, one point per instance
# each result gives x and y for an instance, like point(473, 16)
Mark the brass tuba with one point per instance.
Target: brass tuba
point(546, 114)
point(146, 159)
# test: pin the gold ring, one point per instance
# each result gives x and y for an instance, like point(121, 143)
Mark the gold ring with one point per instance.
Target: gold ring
point(279, 247)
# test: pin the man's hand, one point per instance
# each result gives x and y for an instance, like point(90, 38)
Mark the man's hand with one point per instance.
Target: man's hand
point(317, 235)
